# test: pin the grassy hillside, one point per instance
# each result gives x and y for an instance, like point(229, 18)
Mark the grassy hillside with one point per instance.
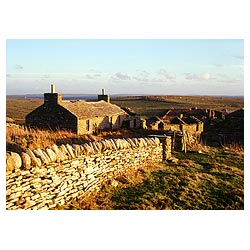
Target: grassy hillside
point(157, 105)
point(17, 109)
point(211, 180)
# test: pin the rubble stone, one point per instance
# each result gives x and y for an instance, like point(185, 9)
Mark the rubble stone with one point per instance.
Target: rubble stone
point(26, 161)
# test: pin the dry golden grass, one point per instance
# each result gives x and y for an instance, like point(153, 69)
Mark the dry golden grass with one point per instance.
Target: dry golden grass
point(20, 137)
point(235, 148)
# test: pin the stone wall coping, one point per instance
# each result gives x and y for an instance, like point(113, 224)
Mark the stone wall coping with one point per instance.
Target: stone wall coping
point(54, 153)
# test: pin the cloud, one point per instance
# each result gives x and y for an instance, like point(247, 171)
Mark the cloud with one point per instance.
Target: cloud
point(232, 82)
point(218, 65)
point(158, 80)
point(143, 73)
point(45, 77)
point(92, 76)
point(166, 74)
point(18, 66)
point(238, 56)
point(121, 76)
point(89, 77)
point(140, 79)
point(94, 71)
point(205, 76)
point(143, 77)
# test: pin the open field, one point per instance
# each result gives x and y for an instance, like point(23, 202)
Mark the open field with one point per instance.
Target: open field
point(156, 105)
point(17, 109)
point(146, 106)
point(211, 180)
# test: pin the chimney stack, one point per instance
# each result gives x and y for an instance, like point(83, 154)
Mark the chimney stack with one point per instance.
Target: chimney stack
point(52, 98)
point(103, 97)
point(53, 88)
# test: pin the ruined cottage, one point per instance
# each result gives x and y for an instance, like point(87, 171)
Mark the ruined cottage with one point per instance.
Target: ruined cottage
point(78, 116)
point(181, 119)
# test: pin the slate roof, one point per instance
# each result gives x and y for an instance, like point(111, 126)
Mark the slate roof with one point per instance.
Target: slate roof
point(178, 120)
point(153, 119)
point(237, 113)
point(198, 113)
point(191, 119)
point(83, 109)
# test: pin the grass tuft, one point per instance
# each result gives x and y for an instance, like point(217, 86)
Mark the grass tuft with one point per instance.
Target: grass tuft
point(20, 137)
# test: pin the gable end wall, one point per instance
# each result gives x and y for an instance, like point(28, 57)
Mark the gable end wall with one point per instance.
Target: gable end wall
point(52, 117)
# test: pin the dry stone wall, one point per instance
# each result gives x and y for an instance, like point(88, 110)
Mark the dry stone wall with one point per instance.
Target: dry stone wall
point(43, 179)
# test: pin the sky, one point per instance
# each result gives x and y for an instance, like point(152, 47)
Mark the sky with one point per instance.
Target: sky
point(126, 66)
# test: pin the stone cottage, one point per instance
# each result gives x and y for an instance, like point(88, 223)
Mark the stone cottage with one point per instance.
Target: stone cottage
point(78, 116)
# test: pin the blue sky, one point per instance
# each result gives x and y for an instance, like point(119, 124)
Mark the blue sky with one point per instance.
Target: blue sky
point(126, 66)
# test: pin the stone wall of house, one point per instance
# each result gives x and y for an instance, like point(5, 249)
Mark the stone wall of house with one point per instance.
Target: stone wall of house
point(90, 125)
point(190, 128)
point(171, 126)
point(43, 179)
point(194, 129)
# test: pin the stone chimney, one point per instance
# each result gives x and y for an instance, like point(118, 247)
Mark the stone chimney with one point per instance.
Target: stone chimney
point(52, 98)
point(104, 97)
point(53, 88)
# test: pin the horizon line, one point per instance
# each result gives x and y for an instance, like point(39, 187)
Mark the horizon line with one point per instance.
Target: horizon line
point(74, 94)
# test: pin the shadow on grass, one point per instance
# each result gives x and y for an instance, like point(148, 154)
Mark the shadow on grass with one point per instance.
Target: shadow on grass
point(160, 190)
point(14, 148)
point(152, 193)
point(182, 189)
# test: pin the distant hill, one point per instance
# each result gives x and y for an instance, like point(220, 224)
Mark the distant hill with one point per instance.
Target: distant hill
point(94, 97)
point(65, 96)
point(18, 106)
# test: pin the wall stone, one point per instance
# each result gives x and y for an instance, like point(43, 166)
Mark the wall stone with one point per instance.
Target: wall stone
point(43, 179)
